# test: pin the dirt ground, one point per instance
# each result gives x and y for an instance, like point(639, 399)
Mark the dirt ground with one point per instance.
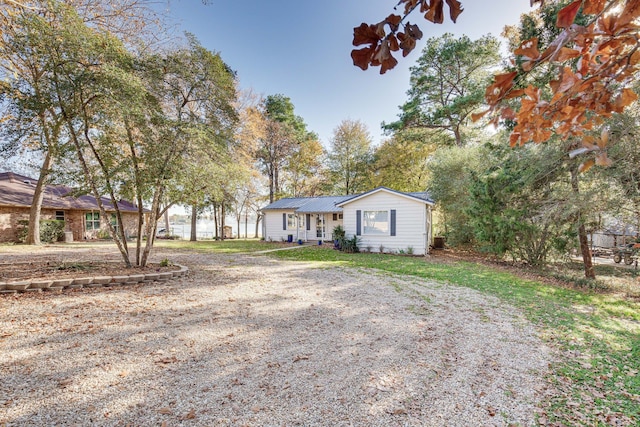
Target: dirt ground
point(253, 341)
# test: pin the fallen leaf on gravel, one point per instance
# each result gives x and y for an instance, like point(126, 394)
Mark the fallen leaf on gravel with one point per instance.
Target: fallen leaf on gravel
point(164, 424)
point(191, 415)
point(123, 374)
point(492, 411)
point(299, 358)
point(398, 411)
point(164, 411)
point(167, 360)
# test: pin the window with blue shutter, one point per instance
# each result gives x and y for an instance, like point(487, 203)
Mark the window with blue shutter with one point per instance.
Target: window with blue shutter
point(358, 223)
point(308, 221)
point(284, 221)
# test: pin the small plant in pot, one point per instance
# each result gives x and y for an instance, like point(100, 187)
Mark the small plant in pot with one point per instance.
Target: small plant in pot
point(338, 237)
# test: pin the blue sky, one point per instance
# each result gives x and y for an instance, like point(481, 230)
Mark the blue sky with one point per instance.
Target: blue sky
point(301, 49)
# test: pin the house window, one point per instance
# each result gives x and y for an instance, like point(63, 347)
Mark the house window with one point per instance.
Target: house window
point(337, 216)
point(376, 222)
point(59, 215)
point(92, 221)
point(291, 221)
point(114, 222)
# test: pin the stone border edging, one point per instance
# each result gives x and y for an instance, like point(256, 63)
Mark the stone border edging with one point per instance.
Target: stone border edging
point(57, 285)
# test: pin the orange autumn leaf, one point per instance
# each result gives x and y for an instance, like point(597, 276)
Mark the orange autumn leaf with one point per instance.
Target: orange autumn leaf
point(502, 83)
point(365, 34)
point(455, 9)
point(384, 58)
point(565, 53)
point(514, 94)
point(630, 13)
point(586, 165)
point(394, 45)
point(603, 160)
point(529, 49)
point(514, 138)
point(626, 98)
point(407, 43)
point(393, 21)
point(593, 7)
point(508, 113)
point(477, 116)
point(567, 14)
point(435, 13)
point(362, 57)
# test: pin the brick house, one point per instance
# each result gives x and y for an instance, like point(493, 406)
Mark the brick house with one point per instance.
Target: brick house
point(81, 214)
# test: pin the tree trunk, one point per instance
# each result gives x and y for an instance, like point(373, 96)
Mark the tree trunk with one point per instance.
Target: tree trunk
point(458, 136)
point(222, 215)
point(194, 223)
point(33, 237)
point(153, 223)
point(166, 222)
point(589, 271)
point(246, 225)
point(215, 221)
point(258, 218)
point(271, 186)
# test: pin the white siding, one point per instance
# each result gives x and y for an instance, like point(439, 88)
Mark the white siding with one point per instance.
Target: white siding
point(412, 217)
point(273, 226)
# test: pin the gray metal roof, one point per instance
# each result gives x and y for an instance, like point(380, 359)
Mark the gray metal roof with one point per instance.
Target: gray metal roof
point(423, 195)
point(286, 203)
point(323, 204)
point(308, 204)
point(327, 204)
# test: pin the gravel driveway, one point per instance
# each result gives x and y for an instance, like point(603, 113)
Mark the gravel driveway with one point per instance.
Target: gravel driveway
point(253, 341)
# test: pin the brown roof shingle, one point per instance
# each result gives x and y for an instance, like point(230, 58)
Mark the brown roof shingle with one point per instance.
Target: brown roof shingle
point(17, 190)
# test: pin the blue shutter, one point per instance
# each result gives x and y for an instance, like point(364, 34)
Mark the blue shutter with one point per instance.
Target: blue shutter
point(358, 223)
point(393, 222)
point(308, 221)
point(284, 221)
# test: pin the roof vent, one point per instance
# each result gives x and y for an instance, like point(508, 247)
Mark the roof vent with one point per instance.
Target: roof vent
point(26, 181)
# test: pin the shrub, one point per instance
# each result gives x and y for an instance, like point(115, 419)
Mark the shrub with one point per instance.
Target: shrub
point(103, 234)
point(51, 230)
point(410, 250)
point(351, 245)
point(381, 249)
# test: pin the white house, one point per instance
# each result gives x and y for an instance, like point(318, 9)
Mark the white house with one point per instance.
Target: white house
point(383, 219)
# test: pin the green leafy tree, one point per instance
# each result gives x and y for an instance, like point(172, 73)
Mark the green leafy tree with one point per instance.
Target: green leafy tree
point(452, 171)
point(284, 140)
point(350, 158)
point(521, 205)
point(401, 162)
point(448, 85)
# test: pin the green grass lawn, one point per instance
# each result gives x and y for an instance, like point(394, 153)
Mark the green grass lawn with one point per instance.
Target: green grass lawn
point(597, 334)
point(220, 246)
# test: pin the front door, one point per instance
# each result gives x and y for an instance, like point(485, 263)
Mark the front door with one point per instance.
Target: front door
point(320, 226)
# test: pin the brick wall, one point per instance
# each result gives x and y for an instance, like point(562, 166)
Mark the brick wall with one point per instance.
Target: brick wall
point(74, 222)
